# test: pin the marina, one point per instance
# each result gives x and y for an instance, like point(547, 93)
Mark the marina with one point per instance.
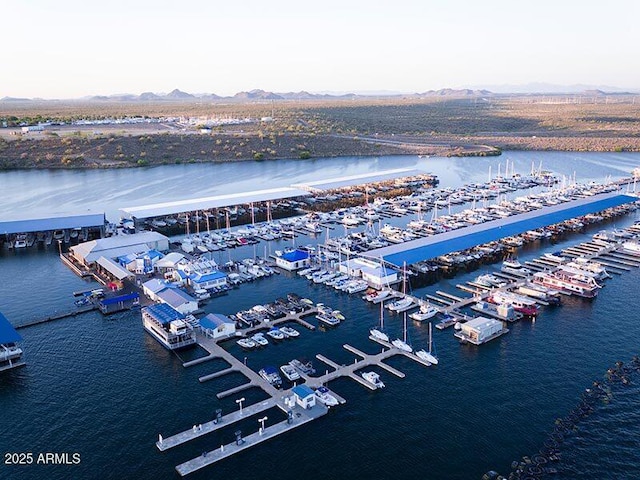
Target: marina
point(346, 337)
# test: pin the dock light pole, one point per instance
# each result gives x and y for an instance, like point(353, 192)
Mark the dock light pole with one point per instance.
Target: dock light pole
point(239, 401)
point(59, 247)
point(262, 420)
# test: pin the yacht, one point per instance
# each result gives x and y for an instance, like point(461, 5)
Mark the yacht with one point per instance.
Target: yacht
point(401, 305)
point(247, 343)
point(289, 332)
point(378, 333)
point(290, 373)
point(567, 283)
point(324, 396)
point(260, 340)
point(402, 345)
point(426, 312)
point(303, 365)
point(270, 374)
point(168, 326)
point(426, 356)
point(373, 378)
point(276, 334)
point(328, 319)
point(377, 296)
point(514, 267)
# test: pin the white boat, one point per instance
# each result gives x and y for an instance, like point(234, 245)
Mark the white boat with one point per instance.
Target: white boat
point(328, 319)
point(632, 248)
point(428, 356)
point(276, 334)
point(379, 333)
point(290, 373)
point(426, 312)
point(270, 374)
point(324, 396)
point(168, 327)
point(247, 343)
point(402, 344)
point(401, 305)
point(303, 365)
point(514, 267)
point(373, 378)
point(377, 297)
point(567, 283)
point(289, 332)
point(260, 340)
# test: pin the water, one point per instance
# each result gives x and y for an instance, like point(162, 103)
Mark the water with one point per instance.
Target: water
point(48, 192)
point(104, 388)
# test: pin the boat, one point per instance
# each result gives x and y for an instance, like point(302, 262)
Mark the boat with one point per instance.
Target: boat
point(373, 378)
point(426, 312)
point(401, 305)
point(289, 332)
point(428, 356)
point(247, 343)
point(260, 340)
point(290, 373)
point(276, 334)
point(377, 296)
point(446, 322)
point(303, 365)
point(402, 344)
point(328, 319)
point(632, 248)
point(378, 333)
point(520, 303)
point(489, 280)
point(323, 394)
point(567, 283)
point(514, 267)
point(168, 326)
point(270, 374)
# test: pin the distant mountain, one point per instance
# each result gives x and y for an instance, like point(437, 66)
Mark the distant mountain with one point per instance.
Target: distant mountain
point(14, 99)
point(452, 92)
point(178, 95)
point(149, 96)
point(257, 95)
point(551, 88)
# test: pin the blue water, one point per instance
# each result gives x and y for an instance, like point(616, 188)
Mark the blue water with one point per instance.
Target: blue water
point(104, 388)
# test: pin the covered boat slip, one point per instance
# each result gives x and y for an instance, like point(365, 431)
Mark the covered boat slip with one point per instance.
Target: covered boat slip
point(207, 203)
point(467, 237)
point(362, 179)
point(63, 222)
point(10, 354)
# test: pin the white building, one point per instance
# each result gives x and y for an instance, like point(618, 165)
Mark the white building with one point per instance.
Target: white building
point(120, 245)
point(215, 325)
point(179, 300)
point(305, 397)
point(294, 260)
point(207, 281)
point(375, 274)
point(481, 330)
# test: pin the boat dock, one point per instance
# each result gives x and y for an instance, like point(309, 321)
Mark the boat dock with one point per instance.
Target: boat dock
point(296, 416)
point(59, 315)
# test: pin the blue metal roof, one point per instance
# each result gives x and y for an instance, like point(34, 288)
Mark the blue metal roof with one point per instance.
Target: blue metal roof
point(295, 256)
point(163, 313)
point(53, 223)
point(457, 240)
point(302, 391)
point(121, 298)
point(8, 334)
point(207, 277)
point(214, 320)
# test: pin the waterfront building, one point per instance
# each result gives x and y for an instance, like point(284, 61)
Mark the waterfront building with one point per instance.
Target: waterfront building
point(178, 299)
point(216, 325)
point(305, 397)
point(293, 260)
point(88, 253)
point(10, 353)
point(170, 262)
point(168, 326)
point(208, 281)
point(371, 272)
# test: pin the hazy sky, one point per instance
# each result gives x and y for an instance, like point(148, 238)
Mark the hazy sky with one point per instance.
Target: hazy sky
point(72, 48)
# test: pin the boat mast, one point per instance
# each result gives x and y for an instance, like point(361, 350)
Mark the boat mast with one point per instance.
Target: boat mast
point(404, 337)
point(429, 337)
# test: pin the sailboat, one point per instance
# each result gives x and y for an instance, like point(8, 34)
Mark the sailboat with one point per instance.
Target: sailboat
point(379, 333)
point(402, 344)
point(428, 356)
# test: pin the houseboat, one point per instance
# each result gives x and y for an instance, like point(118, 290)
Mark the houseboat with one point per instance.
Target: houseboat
point(168, 326)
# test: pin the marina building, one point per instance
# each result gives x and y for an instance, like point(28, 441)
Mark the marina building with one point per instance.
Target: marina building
point(88, 253)
point(481, 330)
point(10, 353)
point(119, 303)
point(216, 325)
point(375, 274)
point(178, 299)
point(294, 260)
point(208, 281)
point(168, 326)
point(305, 397)
point(170, 262)
point(113, 270)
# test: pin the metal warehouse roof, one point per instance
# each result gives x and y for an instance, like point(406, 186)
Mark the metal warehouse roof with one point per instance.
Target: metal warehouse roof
point(8, 334)
point(461, 239)
point(362, 179)
point(52, 223)
point(206, 203)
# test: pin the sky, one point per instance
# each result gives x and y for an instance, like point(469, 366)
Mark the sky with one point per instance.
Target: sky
point(72, 48)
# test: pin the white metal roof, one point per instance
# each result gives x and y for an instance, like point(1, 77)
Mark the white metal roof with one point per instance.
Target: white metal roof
point(351, 180)
point(116, 246)
point(206, 203)
point(114, 269)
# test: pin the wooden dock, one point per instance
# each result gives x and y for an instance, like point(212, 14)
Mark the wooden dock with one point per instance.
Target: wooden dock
point(58, 316)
